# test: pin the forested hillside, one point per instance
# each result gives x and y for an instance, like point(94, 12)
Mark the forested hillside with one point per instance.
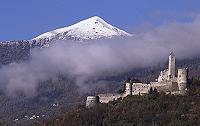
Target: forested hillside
point(52, 96)
point(14, 51)
point(149, 110)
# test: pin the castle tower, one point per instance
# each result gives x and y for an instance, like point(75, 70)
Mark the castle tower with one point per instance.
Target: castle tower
point(172, 66)
point(182, 80)
point(128, 89)
point(160, 78)
point(91, 101)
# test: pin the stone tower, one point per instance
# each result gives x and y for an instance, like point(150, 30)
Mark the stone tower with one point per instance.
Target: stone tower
point(160, 78)
point(91, 101)
point(128, 89)
point(182, 80)
point(172, 66)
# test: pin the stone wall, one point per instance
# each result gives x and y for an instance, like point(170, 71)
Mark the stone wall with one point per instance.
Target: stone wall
point(163, 76)
point(167, 86)
point(140, 88)
point(105, 98)
point(91, 101)
point(171, 66)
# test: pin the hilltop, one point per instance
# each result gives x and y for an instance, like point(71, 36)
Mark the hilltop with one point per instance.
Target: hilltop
point(148, 110)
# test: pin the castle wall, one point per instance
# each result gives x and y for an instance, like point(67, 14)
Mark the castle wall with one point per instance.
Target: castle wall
point(140, 88)
point(105, 98)
point(163, 76)
point(165, 86)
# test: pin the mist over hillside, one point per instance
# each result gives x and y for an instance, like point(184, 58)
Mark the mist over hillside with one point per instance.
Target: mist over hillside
point(93, 59)
point(56, 53)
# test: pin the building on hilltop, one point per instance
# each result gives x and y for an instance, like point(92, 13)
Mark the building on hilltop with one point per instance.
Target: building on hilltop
point(92, 101)
point(169, 81)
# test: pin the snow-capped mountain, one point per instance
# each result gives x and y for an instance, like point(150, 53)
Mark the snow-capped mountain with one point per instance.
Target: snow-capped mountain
point(91, 28)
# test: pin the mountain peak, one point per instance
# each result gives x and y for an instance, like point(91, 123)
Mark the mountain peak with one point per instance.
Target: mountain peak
point(95, 18)
point(91, 28)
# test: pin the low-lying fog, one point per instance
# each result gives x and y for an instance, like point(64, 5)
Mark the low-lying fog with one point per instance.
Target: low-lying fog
point(94, 58)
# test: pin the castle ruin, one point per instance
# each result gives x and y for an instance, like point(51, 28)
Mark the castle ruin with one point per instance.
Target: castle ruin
point(169, 81)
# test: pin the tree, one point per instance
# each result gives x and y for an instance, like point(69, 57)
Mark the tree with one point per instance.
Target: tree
point(151, 91)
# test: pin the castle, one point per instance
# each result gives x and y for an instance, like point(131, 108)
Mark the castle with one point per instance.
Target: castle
point(169, 81)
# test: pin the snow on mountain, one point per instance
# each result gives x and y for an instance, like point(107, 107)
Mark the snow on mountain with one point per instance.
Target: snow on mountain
point(92, 28)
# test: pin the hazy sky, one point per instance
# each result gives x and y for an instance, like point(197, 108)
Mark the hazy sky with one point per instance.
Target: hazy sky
point(25, 19)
